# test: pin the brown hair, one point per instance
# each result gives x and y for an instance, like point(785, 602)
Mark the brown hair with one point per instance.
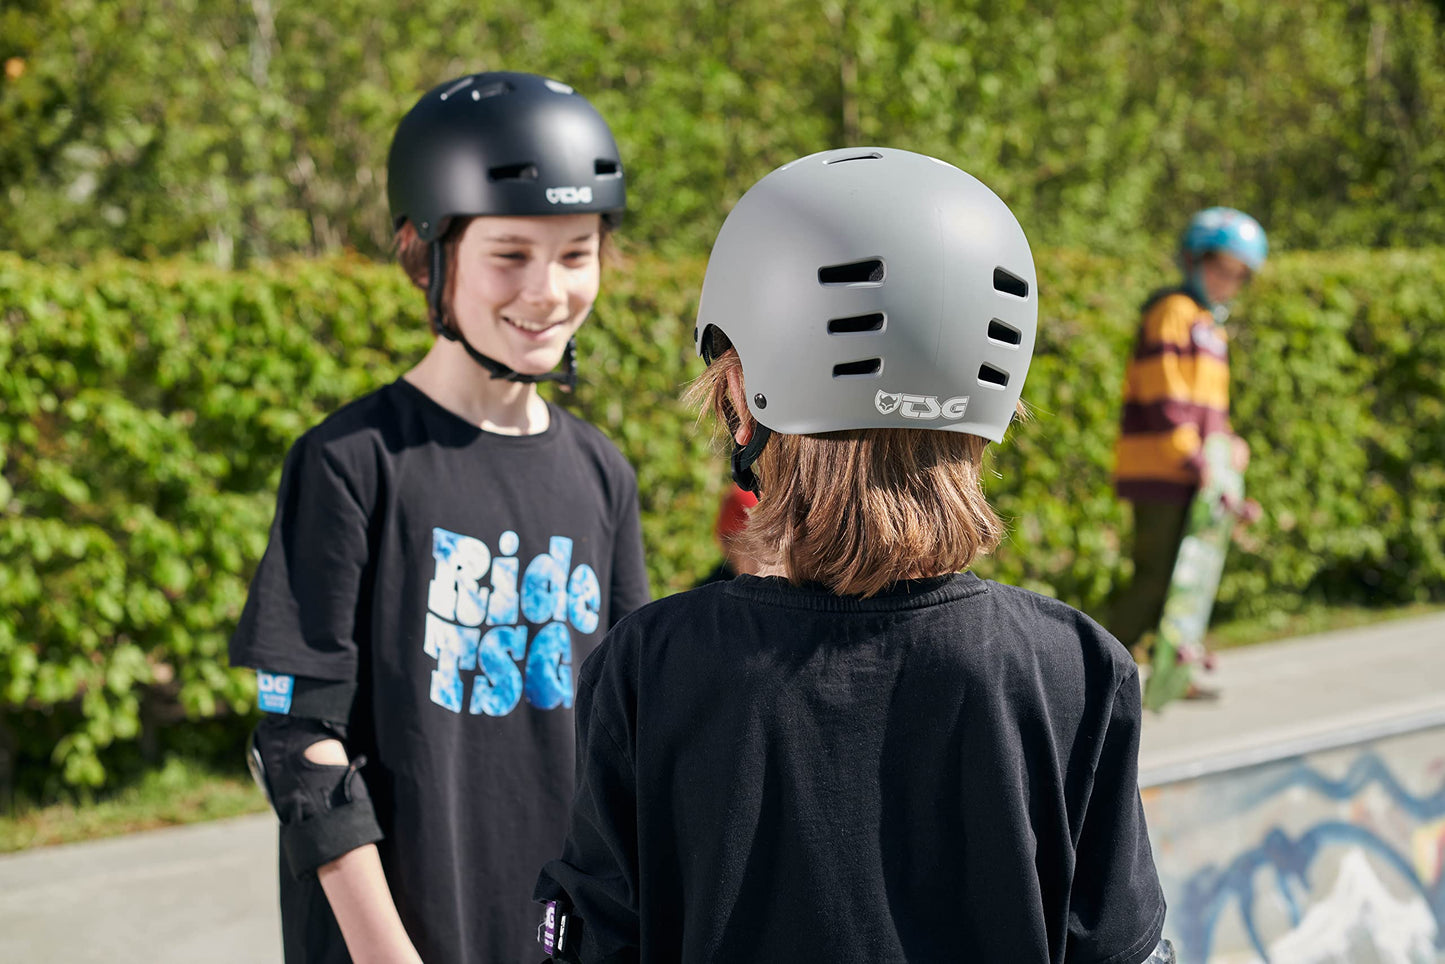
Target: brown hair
point(862, 509)
point(414, 256)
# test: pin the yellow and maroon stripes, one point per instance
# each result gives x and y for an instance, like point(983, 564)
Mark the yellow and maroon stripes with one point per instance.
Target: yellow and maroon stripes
point(1176, 391)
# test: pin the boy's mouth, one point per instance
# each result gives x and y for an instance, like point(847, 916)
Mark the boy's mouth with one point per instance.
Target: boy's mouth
point(529, 326)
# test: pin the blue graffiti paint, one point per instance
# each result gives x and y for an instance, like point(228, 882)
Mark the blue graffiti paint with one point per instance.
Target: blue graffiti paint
point(549, 668)
point(1367, 769)
point(1211, 890)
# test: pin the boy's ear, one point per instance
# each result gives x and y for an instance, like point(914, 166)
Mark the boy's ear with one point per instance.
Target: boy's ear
point(744, 432)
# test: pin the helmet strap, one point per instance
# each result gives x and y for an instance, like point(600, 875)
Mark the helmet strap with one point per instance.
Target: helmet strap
point(744, 456)
point(436, 286)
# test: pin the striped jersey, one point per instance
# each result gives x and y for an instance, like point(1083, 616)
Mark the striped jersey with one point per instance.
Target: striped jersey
point(1176, 392)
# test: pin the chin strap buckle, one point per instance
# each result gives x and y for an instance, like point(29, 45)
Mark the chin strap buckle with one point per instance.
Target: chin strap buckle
point(744, 456)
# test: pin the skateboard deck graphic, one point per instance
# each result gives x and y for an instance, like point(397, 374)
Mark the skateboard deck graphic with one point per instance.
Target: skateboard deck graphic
point(1179, 645)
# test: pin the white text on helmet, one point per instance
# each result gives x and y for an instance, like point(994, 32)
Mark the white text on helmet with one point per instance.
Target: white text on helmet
point(921, 407)
point(569, 195)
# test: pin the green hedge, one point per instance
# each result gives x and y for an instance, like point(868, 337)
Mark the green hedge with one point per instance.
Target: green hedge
point(248, 131)
point(147, 407)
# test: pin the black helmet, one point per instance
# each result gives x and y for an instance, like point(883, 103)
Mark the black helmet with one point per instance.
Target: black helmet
point(502, 143)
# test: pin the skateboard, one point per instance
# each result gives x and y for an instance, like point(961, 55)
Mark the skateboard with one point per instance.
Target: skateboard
point(1179, 645)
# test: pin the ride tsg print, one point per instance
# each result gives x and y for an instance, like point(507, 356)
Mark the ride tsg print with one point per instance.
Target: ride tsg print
point(480, 607)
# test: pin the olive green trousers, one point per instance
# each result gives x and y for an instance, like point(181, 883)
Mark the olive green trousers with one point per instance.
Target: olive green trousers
point(1135, 607)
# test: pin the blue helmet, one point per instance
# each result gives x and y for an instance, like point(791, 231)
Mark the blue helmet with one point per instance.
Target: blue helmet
point(1227, 230)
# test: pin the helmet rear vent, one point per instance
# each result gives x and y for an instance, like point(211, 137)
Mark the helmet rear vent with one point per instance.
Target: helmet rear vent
point(869, 272)
point(870, 156)
point(604, 167)
point(858, 369)
point(513, 172)
point(990, 377)
point(856, 325)
point(1004, 334)
point(1010, 283)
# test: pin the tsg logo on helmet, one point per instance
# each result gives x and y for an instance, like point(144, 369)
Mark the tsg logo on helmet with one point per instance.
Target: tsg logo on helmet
point(924, 407)
point(569, 195)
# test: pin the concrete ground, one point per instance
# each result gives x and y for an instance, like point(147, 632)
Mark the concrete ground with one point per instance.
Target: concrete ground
point(208, 892)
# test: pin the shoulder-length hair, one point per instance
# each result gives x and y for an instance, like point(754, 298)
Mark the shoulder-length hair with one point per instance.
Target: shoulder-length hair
point(859, 510)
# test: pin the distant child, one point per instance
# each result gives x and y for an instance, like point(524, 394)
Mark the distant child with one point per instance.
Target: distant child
point(864, 754)
point(1176, 393)
point(732, 519)
point(444, 551)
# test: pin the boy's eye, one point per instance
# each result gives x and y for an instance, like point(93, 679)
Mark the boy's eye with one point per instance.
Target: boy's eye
point(512, 255)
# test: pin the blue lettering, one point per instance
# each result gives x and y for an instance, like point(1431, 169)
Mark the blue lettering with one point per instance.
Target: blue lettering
point(498, 687)
point(454, 648)
point(503, 608)
point(544, 587)
point(549, 668)
point(456, 592)
point(584, 599)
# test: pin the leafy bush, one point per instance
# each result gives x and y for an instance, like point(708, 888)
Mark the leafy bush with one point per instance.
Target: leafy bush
point(147, 407)
point(249, 131)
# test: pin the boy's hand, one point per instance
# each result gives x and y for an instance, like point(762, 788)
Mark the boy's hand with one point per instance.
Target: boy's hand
point(1246, 511)
point(1240, 454)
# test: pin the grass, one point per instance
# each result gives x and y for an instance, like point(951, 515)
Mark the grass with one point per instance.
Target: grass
point(1319, 618)
point(178, 792)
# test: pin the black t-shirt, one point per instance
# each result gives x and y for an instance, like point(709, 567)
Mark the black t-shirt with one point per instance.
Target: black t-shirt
point(456, 576)
point(945, 772)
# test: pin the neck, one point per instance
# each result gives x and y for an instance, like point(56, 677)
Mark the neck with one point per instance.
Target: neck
point(463, 387)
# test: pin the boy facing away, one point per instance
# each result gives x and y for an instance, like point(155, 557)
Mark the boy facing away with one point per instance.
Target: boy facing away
point(865, 753)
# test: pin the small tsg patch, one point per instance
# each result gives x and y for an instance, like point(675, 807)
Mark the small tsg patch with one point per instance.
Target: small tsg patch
point(922, 407)
point(569, 195)
point(273, 691)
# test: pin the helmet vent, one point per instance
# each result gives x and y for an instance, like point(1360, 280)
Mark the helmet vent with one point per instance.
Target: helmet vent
point(856, 325)
point(858, 369)
point(990, 377)
point(870, 156)
point(1004, 334)
point(462, 84)
point(604, 167)
point(513, 172)
point(491, 90)
point(869, 272)
point(1010, 283)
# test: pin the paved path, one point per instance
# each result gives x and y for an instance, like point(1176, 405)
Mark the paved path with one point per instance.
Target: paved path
point(203, 894)
point(1298, 690)
point(207, 893)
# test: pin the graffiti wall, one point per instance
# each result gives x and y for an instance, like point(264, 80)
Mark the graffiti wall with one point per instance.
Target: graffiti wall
point(1333, 857)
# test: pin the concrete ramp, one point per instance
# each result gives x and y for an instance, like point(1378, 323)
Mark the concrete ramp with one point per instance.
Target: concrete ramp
point(1301, 819)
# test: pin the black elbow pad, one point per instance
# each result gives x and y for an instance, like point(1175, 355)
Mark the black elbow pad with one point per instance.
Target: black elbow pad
point(325, 809)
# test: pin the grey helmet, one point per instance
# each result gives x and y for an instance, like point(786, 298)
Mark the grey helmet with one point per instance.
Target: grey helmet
point(872, 288)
